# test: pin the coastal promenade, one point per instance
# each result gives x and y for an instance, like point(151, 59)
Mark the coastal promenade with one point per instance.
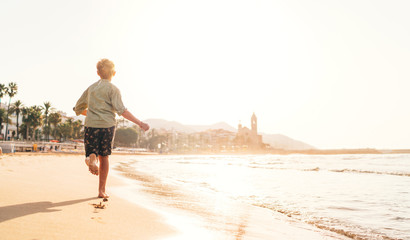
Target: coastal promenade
point(40, 146)
point(53, 147)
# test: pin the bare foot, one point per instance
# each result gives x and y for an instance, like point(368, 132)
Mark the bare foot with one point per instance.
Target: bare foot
point(87, 161)
point(92, 164)
point(103, 195)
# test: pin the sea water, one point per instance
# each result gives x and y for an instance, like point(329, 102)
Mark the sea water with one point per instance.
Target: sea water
point(356, 196)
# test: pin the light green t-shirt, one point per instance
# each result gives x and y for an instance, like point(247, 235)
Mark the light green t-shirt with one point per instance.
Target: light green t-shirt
point(103, 100)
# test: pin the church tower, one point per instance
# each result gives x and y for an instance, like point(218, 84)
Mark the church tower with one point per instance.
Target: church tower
point(254, 124)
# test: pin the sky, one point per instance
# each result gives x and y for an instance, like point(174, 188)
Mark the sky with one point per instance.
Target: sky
point(333, 74)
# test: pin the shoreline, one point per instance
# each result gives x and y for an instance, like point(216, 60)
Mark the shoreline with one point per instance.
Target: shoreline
point(233, 220)
point(304, 152)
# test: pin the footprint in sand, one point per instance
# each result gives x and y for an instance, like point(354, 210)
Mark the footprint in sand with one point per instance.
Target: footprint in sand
point(100, 205)
point(98, 219)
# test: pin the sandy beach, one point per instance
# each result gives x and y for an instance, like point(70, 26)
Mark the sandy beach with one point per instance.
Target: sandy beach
point(50, 197)
point(46, 196)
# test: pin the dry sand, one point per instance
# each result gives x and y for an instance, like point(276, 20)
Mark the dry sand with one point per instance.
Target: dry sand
point(46, 196)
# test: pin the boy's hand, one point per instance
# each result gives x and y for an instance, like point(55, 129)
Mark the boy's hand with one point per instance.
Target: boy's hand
point(144, 126)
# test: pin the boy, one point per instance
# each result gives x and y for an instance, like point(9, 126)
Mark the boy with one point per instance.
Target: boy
point(99, 103)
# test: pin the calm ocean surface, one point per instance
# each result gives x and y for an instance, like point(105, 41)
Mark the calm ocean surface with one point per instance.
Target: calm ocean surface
point(358, 196)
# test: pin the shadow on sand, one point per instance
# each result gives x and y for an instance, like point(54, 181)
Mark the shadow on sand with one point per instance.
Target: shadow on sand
point(20, 210)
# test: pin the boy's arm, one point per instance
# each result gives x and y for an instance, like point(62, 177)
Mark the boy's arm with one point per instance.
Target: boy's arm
point(128, 115)
point(81, 105)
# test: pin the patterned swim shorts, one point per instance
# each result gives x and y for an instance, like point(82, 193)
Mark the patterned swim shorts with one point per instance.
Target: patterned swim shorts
point(98, 140)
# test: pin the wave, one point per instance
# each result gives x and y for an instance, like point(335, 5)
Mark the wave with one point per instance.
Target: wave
point(372, 235)
point(332, 225)
point(345, 170)
point(402, 174)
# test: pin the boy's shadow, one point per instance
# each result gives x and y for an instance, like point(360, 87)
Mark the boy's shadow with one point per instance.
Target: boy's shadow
point(20, 210)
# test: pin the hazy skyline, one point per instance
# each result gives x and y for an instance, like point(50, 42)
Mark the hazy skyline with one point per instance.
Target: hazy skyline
point(333, 74)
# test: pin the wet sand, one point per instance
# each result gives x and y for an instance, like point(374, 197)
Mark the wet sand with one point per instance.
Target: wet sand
point(45, 196)
point(203, 214)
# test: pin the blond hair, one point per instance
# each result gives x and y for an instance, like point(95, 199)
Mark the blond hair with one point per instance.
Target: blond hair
point(105, 68)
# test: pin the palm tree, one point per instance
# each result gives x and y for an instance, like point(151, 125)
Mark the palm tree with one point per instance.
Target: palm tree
point(17, 108)
point(65, 129)
point(77, 125)
point(3, 117)
point(55, 119)
point(11, 91)
point(32, 117)
point(3, 90)
point(69, 126)
point(26, 111)
point(47, 106)
point(36, 117)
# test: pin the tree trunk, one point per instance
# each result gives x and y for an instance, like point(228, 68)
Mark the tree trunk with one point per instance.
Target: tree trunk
point(7, 120)
point(48, 128)
point(27, 132)
point(17, 126)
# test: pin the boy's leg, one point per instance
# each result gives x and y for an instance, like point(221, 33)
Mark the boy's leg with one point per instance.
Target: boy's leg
point(104, 168)
point(92, 165)
point(91, 148)
point(106, 140)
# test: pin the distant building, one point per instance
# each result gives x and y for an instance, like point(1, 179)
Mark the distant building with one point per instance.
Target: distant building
point(249, 137)
point(216, 139)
